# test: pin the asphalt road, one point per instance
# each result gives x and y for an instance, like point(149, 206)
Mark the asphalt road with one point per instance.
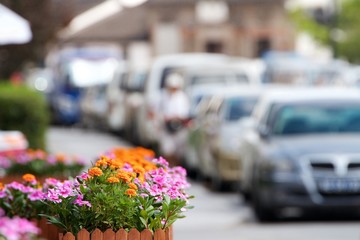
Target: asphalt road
point(216, 216)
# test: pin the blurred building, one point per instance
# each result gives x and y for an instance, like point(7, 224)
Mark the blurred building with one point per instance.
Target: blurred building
point(245, 28)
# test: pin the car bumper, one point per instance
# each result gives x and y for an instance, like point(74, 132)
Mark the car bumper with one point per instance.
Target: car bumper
point(294, 194)
point(229, 168)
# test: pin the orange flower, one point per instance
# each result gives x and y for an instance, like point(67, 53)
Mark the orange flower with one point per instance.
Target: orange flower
point(138, 169)
point(101, 163)
point(95, 171)
point(113, 180)
point(130, 192)
point(29, 177)
point(60, 157)
point(133, 186)
point(115, 164)
point(1, 186)
point(124, 176)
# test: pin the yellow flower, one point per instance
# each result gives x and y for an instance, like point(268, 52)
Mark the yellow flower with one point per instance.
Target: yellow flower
point(133, 186)
point(130, 192)
point(95, 171)
point(28, 177)
point(113, 180)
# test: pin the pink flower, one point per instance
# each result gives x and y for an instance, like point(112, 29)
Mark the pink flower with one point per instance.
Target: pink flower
point(17, 228)
point(79, 201)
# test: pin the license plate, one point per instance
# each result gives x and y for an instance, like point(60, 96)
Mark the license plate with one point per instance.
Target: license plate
point(339, 185)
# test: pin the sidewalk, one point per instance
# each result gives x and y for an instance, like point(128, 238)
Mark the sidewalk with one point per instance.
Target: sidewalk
point(87, 144)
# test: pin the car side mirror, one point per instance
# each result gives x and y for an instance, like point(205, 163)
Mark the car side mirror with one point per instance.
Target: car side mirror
point(264, 131)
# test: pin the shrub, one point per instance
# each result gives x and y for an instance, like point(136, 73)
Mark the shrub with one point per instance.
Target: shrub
point(25, 110)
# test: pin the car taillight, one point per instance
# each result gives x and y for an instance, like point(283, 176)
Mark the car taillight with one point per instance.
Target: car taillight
point(150, 114)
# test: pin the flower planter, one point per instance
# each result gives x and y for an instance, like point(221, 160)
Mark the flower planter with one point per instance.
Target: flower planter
point(18, 178)
point(48, 231)
point(119, 235)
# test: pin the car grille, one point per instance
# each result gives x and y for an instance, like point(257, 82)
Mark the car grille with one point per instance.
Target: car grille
point(332, 175)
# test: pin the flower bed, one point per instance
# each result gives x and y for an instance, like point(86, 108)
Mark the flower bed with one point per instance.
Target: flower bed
point(126, 192)
point(125, 189)
point(40, 164)
point(17, 228)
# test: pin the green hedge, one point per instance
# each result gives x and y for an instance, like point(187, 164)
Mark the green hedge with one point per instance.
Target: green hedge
point(25, 110)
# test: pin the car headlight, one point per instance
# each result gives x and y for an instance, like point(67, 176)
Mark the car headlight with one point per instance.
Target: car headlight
point(283, 170)
point(283, 165)
point(66, 104)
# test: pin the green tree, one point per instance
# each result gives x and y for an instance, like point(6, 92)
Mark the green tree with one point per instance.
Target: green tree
point(341, 32)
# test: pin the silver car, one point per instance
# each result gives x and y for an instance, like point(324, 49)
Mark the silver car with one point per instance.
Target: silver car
point(218, 137)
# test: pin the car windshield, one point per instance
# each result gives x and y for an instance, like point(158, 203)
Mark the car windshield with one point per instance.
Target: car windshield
point(317, 118)
point(218, 79)
point(239, 107)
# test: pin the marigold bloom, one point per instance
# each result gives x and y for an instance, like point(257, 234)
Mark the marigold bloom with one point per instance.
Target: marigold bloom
point(124, 176)
point(29, 177)
point(133, 186)
point(131, 192)
point(115, 164)
point(139, 170)
point(113, 180)
point(101, 163)
point(95, 171)
point(60, 157)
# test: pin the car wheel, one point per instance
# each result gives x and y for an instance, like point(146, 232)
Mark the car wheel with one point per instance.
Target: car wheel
point(263, 213)
point(246, 194)
point(216, 183)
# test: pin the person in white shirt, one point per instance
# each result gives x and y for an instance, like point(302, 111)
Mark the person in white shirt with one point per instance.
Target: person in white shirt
point(174, 115)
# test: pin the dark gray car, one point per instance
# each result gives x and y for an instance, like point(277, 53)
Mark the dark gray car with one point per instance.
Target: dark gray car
point(305, 152)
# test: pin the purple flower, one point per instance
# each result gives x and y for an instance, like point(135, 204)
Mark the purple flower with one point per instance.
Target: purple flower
point(79, 201)
point(36, 195)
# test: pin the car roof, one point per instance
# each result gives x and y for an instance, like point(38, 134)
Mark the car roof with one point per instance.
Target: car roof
point(296, 94)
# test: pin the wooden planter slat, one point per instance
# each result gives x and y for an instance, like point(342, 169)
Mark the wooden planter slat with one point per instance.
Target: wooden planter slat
point(83, 235)
point(168, 234)
point(121, 235)
point(146, 235)
point(97, 235)
point(109, 234)
point(159, 234)
point(134, 235)
point(69, 236)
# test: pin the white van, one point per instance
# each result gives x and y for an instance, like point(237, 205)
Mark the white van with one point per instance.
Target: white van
point(147, 118)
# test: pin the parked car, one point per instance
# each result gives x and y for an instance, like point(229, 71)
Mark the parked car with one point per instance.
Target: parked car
point(147, 121)
point(93, 107)
point(115, 97)
point(303, 151)
point(12, 141)
point(74, 69)
point(220, 133)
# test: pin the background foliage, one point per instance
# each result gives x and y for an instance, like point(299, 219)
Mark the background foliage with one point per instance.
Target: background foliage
point(340, 31)
point(24, 110)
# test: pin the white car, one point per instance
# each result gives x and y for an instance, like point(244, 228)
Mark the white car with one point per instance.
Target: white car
point(147, 117)
point(12, 141)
